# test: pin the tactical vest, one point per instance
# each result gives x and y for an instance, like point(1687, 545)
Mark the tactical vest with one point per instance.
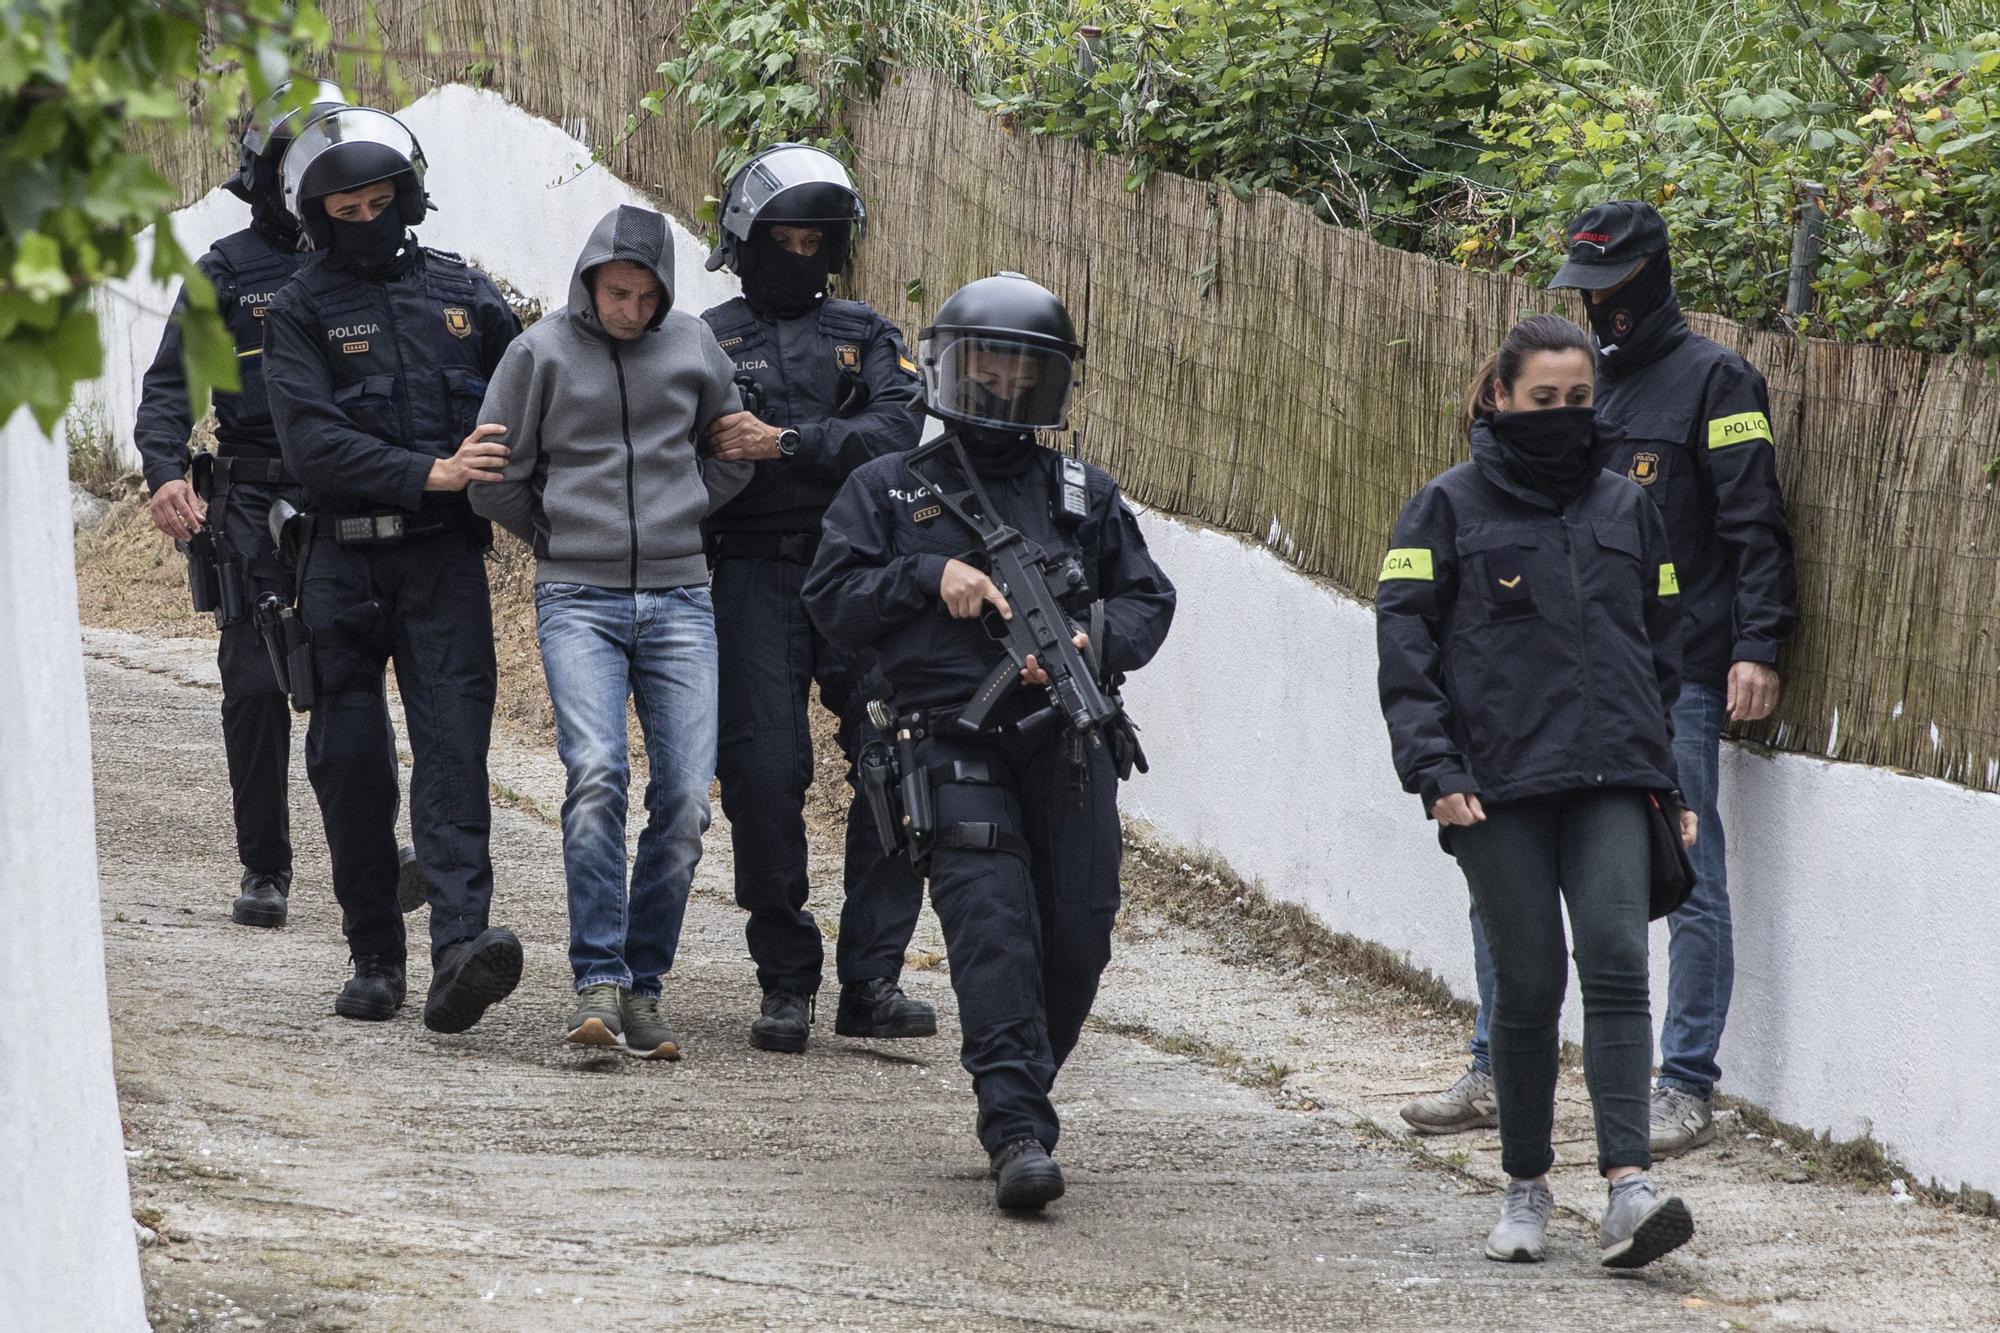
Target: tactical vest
point(403, 353)
point(805, 370)
point(250, 274)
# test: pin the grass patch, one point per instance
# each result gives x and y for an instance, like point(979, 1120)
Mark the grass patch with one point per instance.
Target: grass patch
point(1861, 1160)
point(1199, 891)
point(1227, 1060)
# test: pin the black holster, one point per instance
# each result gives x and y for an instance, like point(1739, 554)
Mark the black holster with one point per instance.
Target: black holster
point(270, 613)
point(875, 771)
point(204, 579)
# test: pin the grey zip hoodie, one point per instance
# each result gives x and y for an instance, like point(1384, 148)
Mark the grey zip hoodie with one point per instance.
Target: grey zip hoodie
point(603, 478)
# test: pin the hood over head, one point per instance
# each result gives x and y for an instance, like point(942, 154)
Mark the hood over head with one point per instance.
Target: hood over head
point(637, 236)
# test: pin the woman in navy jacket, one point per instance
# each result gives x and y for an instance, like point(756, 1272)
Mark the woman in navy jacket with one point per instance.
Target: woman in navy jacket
point(1529, 632)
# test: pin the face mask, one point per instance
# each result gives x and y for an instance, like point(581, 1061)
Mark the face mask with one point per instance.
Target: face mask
point(1553, 452)
point(784, 283)
point(998, 453)
point(369, 247)
point(1615, 318)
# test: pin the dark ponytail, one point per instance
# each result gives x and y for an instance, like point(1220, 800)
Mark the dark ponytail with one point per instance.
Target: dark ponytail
point(1536, 333)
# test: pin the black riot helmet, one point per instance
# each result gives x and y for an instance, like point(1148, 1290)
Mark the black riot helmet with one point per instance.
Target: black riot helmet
point(273, 123)
point(1001, 354)
point(789, 184)
point(345, 150)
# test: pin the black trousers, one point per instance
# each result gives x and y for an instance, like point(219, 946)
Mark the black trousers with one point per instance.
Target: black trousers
point(1587, 849)
point(1029, 939)
point(424, 605)
point(769, 655)
point(256, 718)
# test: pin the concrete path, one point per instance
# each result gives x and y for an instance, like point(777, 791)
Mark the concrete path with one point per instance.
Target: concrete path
point(303, 1172)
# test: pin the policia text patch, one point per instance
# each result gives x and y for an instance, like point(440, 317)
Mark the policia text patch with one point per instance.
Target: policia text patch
point(1739, 429)
point(1407, 562)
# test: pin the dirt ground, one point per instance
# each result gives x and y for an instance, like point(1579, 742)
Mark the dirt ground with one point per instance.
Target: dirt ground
point(1230, 1133)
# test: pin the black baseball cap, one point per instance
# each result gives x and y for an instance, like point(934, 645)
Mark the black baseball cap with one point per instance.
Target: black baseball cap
point(1608, 241)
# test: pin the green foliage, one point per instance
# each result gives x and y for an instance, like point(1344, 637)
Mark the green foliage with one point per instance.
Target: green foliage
point(1361, 109)
point(1894, 114)
point(80, 82)
point(1473, 128)
point(775, 72)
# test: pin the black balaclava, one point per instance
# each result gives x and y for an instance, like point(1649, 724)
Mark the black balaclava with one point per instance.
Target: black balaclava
point(998, 453)
point(372, 249)
point(268, 214)
point(779, 283)
point(1622, 314)
point(1553, 452)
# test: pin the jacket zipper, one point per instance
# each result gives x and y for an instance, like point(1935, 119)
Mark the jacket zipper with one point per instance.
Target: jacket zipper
point(402, 369)
point(631, 465)
point(1583, 649)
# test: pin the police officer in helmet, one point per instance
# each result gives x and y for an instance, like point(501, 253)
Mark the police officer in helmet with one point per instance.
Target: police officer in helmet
point(377, 355)
point(828, 387)
point(219, 516)
point(1024, 861)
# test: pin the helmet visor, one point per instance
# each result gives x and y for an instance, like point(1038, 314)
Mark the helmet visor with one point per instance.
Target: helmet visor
point(995, 380)
point(793, 184)
point(289, 105)
point(346, 150)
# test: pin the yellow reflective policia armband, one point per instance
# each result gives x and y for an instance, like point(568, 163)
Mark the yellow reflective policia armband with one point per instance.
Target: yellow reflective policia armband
point(1670, 582)
point(1739, 429)
point(1407, 562)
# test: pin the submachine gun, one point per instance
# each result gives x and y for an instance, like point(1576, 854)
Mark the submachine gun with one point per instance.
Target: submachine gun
point(1082, 698)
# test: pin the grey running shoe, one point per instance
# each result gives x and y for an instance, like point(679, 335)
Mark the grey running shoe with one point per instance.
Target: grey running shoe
point(646, 1033)
point(596, 1021)
point(1680, 1121)
point(1466, 1104)
point(1523, 1229)
point(1639, 1226)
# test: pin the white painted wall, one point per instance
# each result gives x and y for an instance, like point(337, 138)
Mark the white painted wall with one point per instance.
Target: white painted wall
point(68, 1259)
point(1865, 902)
point(1866, 916)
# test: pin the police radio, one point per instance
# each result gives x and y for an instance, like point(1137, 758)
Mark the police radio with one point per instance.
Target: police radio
point(1072, 492)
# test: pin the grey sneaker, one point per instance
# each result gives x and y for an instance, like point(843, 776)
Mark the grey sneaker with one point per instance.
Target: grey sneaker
point(1466, 1104)
point(596, 1021)
point(1680, 1121)
point(646, 1033)
point(1523, 1228)
point(1639, 1226)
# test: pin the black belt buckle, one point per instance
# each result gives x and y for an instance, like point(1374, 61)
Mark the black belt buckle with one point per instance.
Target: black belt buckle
point(367, 529)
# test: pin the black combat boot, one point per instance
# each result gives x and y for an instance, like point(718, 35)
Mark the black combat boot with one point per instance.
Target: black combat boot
point(263, 898)
point(1028, 1176)
point(375, 991)
point(413, 887)
point(471, 978)
point(878, 1008)
point(785, 1023)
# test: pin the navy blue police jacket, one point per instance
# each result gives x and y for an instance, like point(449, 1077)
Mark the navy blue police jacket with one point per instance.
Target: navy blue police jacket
point(841, 377)
point(874, 582)
point(1692, 421)
point(371, 380)
point(1527, 650)
point(247, 269)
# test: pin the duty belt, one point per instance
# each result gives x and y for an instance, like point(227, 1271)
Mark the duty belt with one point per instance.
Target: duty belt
point(381, 529)
point(235, 471)
point(794, 548)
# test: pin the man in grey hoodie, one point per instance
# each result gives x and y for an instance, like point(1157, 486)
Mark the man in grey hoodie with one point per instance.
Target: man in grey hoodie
point(600, 405)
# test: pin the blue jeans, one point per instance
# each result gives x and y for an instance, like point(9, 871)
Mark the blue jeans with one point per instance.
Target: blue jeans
point(1701, 948)
point(601, 646)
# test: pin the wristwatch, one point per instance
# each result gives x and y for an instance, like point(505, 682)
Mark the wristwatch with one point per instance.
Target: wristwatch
point(788, 443)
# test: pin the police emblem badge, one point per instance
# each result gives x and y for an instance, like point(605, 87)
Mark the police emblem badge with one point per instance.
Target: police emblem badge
point(848, 357)
point(1645, 469)
point(457, 321)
